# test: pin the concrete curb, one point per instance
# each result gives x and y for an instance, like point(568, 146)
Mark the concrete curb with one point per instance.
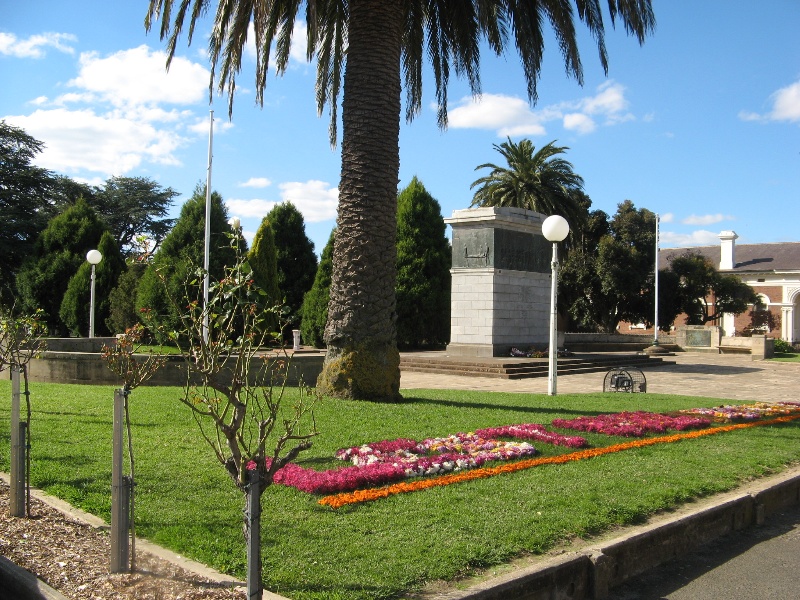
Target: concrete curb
point(591, 572)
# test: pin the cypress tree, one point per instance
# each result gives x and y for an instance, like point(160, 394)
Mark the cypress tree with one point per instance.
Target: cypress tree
point(59, 252)
point(263, 260)
point(315, 302)
point(180, 258)
point(423, 270)
point(75, 306)
point(296, 260)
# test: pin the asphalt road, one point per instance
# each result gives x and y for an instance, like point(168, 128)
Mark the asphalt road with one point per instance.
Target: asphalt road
point(760, 563)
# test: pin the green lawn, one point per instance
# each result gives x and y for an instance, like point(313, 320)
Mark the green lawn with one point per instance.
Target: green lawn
point(186, 502)
point(786, 357)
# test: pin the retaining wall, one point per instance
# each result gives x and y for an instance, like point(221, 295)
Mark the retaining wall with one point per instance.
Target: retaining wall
point(89, 368)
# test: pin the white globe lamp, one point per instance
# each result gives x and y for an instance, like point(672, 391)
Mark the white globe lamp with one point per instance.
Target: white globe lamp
point(93, 257)
point(555, 229)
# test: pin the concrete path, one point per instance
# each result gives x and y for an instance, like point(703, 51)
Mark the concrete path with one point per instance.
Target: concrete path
point(733, 377)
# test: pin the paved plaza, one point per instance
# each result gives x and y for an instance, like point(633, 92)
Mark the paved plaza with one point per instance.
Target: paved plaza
point(733, 377)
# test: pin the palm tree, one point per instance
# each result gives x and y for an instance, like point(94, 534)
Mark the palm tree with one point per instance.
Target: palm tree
point(372, 44)
point(539, 181)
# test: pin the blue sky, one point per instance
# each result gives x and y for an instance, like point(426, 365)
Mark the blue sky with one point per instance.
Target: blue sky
point(700, 125)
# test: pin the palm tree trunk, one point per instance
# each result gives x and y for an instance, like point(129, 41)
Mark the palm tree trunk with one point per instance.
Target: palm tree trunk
point(362, 360)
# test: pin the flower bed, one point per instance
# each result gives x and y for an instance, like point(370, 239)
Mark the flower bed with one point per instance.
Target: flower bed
point(632, 424)
point(368, 495)
point(463, 456)
point(392, 460)
point(534, 431)
point(745, 412)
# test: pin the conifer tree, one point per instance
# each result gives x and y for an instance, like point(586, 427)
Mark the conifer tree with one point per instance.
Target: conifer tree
point(423, 270)
point(296, 260)
point(315, 303)
point(180, 258)
point(59, 252)
point(264, 262)
point(75, 306)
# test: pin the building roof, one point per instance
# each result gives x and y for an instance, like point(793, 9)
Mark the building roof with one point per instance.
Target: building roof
point(783, 256)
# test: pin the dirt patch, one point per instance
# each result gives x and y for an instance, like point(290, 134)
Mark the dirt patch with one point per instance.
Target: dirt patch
point(73, 558)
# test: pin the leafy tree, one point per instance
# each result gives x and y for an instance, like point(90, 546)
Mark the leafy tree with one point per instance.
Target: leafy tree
point(264, 262)
point(296, 261)
point(538, 180)
point(237, 398)
point(180, 258)
point(122, 299)
point(25, 192)
point(59, 252)
point(607, 277)
point(75, 306)
point(371, 45)
point(705, 294)
point(315, 302)
point(134, 206)
point(424, 258)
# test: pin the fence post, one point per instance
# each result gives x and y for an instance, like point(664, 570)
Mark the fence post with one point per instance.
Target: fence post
point(253, 517)
point(120, 493)
point(18, 447)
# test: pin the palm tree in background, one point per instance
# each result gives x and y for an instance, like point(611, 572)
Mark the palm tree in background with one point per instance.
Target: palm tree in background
point(540, 180)
point(370, 45)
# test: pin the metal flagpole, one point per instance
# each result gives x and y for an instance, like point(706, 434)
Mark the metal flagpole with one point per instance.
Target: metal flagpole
point(655, 320)
point(207, 247)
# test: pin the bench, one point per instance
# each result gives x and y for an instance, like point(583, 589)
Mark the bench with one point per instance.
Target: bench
point(735, 349)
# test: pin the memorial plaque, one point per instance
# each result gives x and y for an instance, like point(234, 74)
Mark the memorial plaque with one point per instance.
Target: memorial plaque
point(520, 251)
point(698, 337)
point(501, 249)
point(473, 248)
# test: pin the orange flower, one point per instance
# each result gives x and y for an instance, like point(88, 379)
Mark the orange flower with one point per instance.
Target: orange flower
point(343, 499)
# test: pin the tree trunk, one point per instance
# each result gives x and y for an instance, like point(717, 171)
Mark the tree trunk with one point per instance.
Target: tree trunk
point(362, 360)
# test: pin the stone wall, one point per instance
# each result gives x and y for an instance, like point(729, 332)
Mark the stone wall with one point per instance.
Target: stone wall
point(89, 368)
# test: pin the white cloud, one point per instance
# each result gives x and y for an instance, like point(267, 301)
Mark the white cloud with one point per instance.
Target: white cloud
point(706, 219)
point(683, 240)
point(84, 140)
point(200, 126)
point(316, 200)
point(139, 76)
point(507, 114)
point(579, 122)
point(513, 116)
point(666, 218)
point(609, 100)
point(256, 182)
point(785, 106)
point(35, 46)
point(122, 110)
point(254, 208)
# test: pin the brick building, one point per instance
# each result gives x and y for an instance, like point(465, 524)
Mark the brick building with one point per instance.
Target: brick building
point(772, 270)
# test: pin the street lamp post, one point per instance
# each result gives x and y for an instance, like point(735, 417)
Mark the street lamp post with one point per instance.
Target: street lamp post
point(207, 232)
point(94, 257)
point(554, 228)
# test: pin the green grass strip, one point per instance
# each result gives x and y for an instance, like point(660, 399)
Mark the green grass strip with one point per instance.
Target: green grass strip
point(383, 550)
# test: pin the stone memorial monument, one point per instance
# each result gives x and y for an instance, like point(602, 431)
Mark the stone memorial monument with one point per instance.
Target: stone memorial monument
point(500, 282)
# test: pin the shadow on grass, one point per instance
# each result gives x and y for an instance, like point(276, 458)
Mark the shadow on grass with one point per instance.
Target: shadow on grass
point(492, 406)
